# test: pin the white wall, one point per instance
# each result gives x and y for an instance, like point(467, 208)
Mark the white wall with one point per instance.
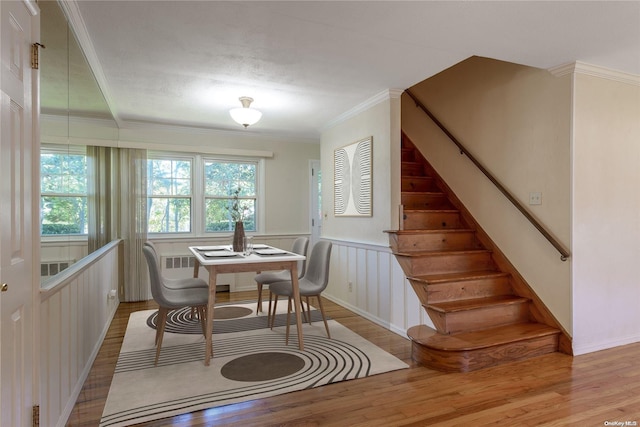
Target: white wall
point(375, 121)
point(516, 121)
point(606, 212)
point(364, 275)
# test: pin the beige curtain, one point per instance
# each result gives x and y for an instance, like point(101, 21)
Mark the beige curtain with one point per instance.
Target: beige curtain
point(118, 209)
point(133, 222)
point(100, 191)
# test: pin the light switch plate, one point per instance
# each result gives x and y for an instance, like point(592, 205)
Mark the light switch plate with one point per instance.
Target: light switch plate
point(535, 198)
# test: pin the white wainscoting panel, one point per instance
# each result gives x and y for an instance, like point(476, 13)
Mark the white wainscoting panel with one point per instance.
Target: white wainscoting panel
point(76, 310)
point(368, 280)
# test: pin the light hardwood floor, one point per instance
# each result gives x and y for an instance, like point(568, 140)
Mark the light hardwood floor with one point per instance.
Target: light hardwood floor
point(597, 389)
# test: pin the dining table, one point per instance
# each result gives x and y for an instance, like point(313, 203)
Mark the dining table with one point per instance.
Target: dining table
point(222, 259)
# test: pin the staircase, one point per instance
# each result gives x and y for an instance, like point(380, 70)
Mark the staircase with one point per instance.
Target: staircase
point(483, 311)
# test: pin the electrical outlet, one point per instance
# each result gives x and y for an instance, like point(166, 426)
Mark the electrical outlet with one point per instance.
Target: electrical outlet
point(535, 198)
point(350, 287)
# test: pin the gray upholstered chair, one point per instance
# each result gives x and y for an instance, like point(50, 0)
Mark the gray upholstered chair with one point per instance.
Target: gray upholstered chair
point(299, 247)
point(171, 299)
point(190, 282)
point(312, 284)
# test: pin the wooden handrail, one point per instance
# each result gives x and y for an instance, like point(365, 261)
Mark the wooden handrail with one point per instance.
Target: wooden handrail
point(564, 254)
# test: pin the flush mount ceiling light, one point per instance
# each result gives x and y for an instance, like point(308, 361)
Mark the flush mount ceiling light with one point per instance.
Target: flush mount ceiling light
point(246, 116)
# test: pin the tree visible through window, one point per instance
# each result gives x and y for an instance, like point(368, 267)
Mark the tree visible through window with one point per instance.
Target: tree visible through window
point(63, 189)
point(172, 195)
point(222, 180)
point(169, 195)
point(194, 193)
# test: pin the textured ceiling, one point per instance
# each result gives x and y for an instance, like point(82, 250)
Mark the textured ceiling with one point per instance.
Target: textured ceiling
point(306, 63)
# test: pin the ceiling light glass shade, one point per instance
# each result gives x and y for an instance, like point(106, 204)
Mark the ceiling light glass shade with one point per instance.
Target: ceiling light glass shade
point(246, 116)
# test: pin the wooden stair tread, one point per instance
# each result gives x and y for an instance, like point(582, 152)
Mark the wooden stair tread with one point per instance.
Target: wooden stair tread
point(431, 279)
point(474, 303)
point(442, 253)
point(424, 193)
point(431, 231)
point(468, 341)
point(416, 177)
point(444, 210)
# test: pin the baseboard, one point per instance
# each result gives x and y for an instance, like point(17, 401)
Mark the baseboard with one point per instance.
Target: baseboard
point(591, 348)
point(367, 315)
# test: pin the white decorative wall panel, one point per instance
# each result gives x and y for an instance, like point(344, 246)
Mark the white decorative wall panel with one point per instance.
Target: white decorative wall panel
point(380, 292)
point(353, 179)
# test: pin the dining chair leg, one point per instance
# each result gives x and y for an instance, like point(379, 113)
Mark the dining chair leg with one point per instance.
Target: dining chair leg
point(324, 318)
point(259, 304)
point(203, 319)
point(162, 319)
point(157, 329)
point(289, 305)
point(269, 309)
point(308, 309)
point(304, 313)
point(273, 313)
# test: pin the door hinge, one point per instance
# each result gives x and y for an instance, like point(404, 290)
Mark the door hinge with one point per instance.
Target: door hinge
point(35, 422)
point(35, 55)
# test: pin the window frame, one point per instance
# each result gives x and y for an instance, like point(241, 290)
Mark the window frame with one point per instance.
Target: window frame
point(172, 156)
point(63, 149)
point(198, 192)
point(205, 196)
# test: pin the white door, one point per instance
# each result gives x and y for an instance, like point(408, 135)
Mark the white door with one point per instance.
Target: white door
point(315, 182)
point(18, 27)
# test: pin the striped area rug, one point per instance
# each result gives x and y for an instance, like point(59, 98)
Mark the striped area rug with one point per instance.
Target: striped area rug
point(250, 362)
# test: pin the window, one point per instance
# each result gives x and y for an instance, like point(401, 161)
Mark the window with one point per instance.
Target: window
point(195, 194)
point(169, 195)
point(63, 191)
point(222, 181)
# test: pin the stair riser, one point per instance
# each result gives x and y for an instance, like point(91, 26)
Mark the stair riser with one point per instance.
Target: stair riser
point(432, 220)
point(425, 201)
point(408, 155)
point(471, 360)
point(437, 241)
point(460, 290)
point(440, 264)
point(418, 184)
point(412, 169)
point(479, 318)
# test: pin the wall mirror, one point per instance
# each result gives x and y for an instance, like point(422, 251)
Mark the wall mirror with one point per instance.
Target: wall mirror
point(73, 115)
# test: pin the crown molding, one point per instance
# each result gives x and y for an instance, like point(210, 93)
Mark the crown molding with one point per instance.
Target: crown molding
point(196, 130)
point(32, 7)
point(78, 120)
point(595, 71)
point(170, 128)
point(76, 22)
point(374, 100)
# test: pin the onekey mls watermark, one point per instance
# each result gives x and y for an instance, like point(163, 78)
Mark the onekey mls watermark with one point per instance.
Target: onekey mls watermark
point(620, 423)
